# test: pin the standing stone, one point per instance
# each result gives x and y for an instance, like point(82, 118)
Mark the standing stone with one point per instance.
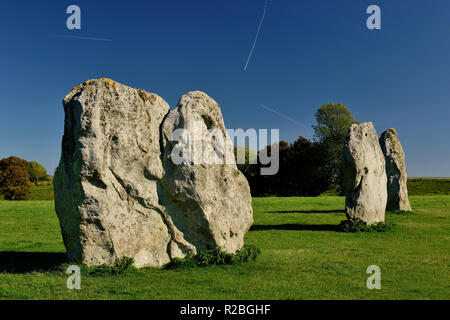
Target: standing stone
point(106, 184)
point(210, 197)
point(113, 194)
point(364, 175)
point(395, 171)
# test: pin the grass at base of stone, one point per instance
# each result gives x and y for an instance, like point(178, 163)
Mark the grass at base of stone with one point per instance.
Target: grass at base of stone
point(121, 266)
point(215, 257)
point(302, 257)
point(400, 212)
point(360, 226)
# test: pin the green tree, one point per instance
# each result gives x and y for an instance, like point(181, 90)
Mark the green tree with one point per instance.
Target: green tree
point(333, 122)
point(303, 171)
point(309, 168)
point(37, 172)
point(14, 179)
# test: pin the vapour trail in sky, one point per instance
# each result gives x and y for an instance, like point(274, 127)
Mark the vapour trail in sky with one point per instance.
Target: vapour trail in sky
point(82, 38)
point(285, 117)
point(257, 35)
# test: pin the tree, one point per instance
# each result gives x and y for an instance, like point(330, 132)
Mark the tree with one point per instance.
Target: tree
point(309, 168)
point(14, 179)
point(333, 122)
point(303, 171)
point(37, 172)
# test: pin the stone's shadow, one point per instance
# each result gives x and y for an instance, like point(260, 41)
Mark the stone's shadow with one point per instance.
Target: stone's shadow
point(25, 262)
point(308, 211)
point(297, 227)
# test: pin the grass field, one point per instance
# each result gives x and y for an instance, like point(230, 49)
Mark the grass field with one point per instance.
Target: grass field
point(42, 192)
point(302, 257)
point(428, 186)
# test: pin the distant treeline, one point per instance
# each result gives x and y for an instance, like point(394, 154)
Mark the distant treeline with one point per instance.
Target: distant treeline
point(312, 168)
point(304, 170)
point(17, 177)
point(307, 168)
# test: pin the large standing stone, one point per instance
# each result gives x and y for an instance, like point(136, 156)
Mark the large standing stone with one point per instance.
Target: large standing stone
point(364, 175)
point(111, 194)
point(106, 184)
point(395, 171)
point(210, 197)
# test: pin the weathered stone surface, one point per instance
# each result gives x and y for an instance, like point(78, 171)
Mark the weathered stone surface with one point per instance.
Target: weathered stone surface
point(112, 192)
point(210, 202)
point(106, 184)
point(395, 171)
point(364, 175)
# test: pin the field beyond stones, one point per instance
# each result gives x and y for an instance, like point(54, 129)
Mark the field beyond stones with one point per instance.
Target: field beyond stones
point(303, 256)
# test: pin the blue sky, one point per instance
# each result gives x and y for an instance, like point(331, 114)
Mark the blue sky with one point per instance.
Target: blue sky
point(309, 52)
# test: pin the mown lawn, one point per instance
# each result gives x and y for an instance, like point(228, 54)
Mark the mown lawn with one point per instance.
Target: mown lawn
point(44, 192)
point(41, 192)
point(302, 257)
point(428, 186)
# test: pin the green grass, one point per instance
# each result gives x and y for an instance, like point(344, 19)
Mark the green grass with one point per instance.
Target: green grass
point(302, 257)
point(417, 187)
point(42, 192)
point(428, 186)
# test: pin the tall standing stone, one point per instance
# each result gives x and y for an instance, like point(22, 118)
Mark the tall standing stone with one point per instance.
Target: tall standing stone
point(116, 193)
point(395, 171)
point(364, 175)
point(106, 184)
point(210, 196)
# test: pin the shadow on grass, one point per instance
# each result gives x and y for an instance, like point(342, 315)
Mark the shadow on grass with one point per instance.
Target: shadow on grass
point(308, 211)
point(297, 227)
point(25, 262)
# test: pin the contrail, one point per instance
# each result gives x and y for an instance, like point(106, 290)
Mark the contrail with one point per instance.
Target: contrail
point(82, 38)
point(257, 35)
point(285, 116)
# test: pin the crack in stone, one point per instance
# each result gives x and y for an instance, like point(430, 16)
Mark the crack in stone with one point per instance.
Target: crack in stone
point(171, 228)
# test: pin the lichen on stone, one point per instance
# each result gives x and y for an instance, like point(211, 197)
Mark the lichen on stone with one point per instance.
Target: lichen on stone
point(79, 88)
point(146, 96)
point(392, 131)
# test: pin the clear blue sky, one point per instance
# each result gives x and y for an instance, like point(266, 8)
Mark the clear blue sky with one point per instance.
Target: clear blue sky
point(309, 52)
